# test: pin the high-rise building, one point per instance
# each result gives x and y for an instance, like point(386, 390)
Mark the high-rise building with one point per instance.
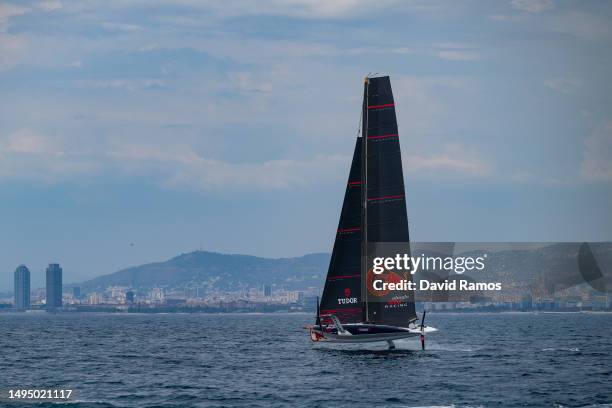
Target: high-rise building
point(267, 290)
point(22, 287)
point(54, 286)
point(76, 292)
point(129, 296)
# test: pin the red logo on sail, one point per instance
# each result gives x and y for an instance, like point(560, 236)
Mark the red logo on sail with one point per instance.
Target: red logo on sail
point(389, 277)
point(347, 299)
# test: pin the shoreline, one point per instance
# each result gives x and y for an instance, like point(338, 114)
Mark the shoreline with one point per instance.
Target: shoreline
point(212, 313)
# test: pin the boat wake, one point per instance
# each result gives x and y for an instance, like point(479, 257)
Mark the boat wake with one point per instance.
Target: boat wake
point(402, 345)
point(570, 349)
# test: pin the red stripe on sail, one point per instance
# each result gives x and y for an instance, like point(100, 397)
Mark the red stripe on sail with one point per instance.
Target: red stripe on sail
point(349, 229)
point(354, 309)
point(385, 197)
point(343, 277)
point(354, 183)
point(386, 105)
point(384, 136)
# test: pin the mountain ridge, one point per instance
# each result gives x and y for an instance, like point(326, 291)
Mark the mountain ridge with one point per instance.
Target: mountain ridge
point(215, 270)
point(539, 268)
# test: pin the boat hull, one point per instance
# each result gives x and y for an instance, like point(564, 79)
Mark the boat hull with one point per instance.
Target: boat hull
point(366, 333)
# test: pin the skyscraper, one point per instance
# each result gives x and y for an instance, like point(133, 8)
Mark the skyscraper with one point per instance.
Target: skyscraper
point(54, 286)
point(22, 287)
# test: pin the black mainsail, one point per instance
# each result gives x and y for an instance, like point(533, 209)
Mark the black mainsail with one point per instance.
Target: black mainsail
point(385, 214)
point(373, 212)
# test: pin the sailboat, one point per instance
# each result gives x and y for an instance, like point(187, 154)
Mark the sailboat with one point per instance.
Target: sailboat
point(373, 212)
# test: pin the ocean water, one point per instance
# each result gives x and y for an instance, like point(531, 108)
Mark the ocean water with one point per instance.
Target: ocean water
point(200, 360)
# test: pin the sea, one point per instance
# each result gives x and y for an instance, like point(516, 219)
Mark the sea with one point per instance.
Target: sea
point(268, 360)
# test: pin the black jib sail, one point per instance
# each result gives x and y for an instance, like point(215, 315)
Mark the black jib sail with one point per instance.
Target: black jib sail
point(342, 292)
point(374, 208)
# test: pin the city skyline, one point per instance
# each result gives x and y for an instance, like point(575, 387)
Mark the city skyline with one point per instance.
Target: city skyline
point(544, 271)
point(263, 298)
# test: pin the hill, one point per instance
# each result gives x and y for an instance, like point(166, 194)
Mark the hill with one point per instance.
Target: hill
point(542, 268)
point(211, 270)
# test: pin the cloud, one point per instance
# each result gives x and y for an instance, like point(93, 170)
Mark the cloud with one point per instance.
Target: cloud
point(12, 50)
point(28, 154)
point(597, 154)
point(244, 81)
point(508, 18)
point(445, 51)
point(50, 5)
point(202, 173)
point(529, 177)
point(28, 141)
point(456, 52)
point(8, 10)
point(293, 8)
point(13, 47)
point(182, 167)
point(563, 84)
point(122, 84)
point(532, 6)
point(149, 47)
point(454, 159)
point(457, 55)
point(582, 25)
point(112, 26)
point(574, 23)
point(419, 102)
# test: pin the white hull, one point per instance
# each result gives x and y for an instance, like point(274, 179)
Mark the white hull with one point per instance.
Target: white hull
point(345, 337)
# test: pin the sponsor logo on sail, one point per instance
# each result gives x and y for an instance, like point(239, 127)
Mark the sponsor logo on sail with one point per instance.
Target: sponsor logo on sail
point(347, 299)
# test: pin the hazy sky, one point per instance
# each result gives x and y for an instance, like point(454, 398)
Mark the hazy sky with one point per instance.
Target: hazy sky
point(130, 133)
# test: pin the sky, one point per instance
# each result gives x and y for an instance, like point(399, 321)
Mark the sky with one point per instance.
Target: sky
point(131, 132)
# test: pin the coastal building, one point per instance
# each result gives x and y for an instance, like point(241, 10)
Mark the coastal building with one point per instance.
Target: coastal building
point(95, 299)
point(22, 287)
point(157, 295)
point(526, 303)
point(54, 286)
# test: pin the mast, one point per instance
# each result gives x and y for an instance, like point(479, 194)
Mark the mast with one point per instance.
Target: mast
point(364, 202)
